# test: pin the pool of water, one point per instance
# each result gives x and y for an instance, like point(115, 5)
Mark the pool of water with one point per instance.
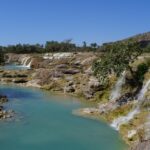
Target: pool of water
point(14, 67)
point(48, 124)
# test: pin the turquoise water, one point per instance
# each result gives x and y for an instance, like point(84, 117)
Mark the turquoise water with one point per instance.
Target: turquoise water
point(47, 123)
point(14, 67)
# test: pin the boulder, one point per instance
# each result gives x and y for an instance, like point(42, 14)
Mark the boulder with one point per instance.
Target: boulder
point(69, 89)
point(3, 99)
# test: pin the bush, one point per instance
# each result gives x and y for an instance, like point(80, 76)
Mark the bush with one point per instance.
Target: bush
point(141, 70)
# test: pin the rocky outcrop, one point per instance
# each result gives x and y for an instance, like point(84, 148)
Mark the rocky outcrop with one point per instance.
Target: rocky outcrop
point(11, 58)
point(70, 87)
point(5, 114)
point(124, 99)
point(38, 62)
point(3, 99)
point(144, 145)
point(14, 76)
point(91, 88)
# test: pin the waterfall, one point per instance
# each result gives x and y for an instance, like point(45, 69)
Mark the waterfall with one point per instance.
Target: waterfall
point(116, 92)
point(25, 63)
point(143, 91)
point(124, 119)
point(29, 65)
point(22, 61)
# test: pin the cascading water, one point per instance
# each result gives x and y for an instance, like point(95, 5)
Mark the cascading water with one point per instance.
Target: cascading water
point(25, 62)
point(124, 119)
point(143, 91)
point(116, 92)
point(22, 61)
point(29, 65)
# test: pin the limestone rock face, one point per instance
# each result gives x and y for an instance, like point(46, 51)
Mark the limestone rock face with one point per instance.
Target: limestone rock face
point(12, 58)
point(94, 84)
point(36, 62)
point(34, 83)
point(145, 145)
point(70, 87)
point(91, 87)
point(43, 75)
point(88, 94)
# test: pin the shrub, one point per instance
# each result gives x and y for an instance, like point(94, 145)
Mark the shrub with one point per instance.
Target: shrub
point(141, 70)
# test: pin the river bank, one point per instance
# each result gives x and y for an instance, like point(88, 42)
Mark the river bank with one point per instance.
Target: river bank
point(72, 75)
point(48, 117)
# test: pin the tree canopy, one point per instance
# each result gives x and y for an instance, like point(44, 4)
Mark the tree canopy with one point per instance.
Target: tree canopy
point(117, 58)
point(49, 47)
point(1, 56)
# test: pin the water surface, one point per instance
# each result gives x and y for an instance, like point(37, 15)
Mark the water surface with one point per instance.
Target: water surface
point(48, 124)
point(14, 67)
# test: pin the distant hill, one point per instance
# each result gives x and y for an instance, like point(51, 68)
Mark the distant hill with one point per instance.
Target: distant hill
point(143, 39)
point(140, 37)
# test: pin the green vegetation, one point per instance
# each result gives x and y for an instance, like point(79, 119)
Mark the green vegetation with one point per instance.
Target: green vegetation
point(141, 70)
point(117, 58)
point(69, 46)
point(134, 124)
point(1, 57)
point(54, 46)
point(50, 46)
point(120, 111)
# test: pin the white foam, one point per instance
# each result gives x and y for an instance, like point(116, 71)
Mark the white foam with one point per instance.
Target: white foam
point(124, 119)
point(143, 91)
point(116, 92)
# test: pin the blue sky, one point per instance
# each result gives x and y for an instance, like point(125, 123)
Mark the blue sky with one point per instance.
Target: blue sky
point(37, 21)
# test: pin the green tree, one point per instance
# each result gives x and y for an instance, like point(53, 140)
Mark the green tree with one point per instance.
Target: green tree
point(94, 45)
point(117, 57)
point(1, 55)
point(84, 44)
